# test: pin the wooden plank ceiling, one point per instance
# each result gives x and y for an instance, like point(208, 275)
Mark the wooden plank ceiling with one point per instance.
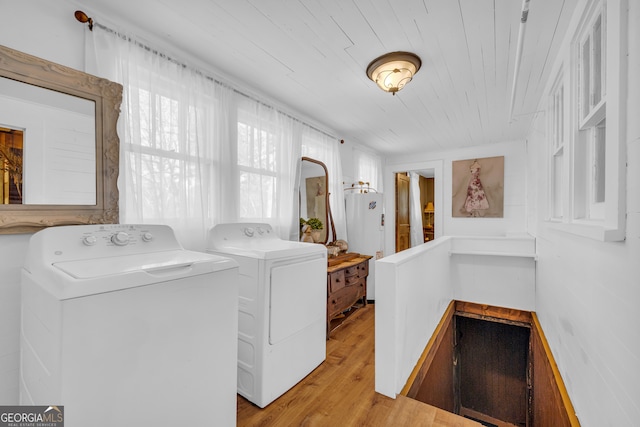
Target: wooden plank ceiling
point(311, 56)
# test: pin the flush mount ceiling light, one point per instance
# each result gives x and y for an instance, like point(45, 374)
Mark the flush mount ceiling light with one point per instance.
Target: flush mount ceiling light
point(393, 70)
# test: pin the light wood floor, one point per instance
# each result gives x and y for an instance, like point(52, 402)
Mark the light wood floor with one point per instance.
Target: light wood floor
point(340, 392)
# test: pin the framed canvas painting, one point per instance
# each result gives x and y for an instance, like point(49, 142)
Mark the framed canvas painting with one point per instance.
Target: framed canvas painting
point(478, 188)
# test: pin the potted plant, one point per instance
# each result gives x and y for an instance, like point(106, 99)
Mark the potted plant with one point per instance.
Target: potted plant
point(316, 228)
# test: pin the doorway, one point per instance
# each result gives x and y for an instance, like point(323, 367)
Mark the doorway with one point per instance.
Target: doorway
point(403, 216)
point(403, 236)
point(429, 169)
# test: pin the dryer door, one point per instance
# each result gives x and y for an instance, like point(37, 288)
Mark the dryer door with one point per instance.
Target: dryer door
point(298, 297)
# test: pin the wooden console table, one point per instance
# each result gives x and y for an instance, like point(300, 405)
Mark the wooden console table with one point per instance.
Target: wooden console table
point(346, 288)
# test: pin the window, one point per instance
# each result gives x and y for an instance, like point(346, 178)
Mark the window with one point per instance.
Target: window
point(256, 168)
point(591, 68)
point(166, 163)
point(556, 108)
point(265, 163)
point(587, 118)
point(368, 168)
point(590, 196)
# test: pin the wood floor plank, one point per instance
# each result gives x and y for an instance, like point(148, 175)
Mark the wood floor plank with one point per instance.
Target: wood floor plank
point(340, 392)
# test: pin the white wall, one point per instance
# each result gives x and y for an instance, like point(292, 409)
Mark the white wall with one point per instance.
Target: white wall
point(587, 290)
point(514, 220)
point(48, 30)
point(498, 271)
point(412, 292)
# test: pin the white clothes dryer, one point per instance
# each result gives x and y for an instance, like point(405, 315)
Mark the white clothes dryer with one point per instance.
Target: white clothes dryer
point(282, 307)
point(124, 327)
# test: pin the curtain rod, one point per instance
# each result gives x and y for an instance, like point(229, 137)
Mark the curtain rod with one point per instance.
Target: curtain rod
point(199, 72)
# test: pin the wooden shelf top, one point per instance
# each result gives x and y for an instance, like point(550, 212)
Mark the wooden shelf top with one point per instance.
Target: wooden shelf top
point(342, 261)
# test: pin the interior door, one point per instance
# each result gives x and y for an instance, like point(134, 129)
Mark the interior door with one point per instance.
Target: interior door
point(403, 239)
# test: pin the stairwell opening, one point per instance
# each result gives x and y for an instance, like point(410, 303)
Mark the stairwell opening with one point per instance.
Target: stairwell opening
point(492, 365)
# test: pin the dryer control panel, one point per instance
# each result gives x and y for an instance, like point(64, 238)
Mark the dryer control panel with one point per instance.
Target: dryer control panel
point(246, 231)
point(257, 230)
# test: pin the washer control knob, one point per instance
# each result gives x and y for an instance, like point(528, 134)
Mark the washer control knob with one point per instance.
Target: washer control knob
point(120, 238)
point(147, 237)
point(248, 232)
point(89, 240)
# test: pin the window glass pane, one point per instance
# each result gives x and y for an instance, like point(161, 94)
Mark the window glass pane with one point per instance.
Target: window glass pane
point(586, 77)
point(557, 201)
point(561, 117)
point(243, 144)
point(599, 146)
point(257, 193)
point(257, 150)
point(597, 61)
point(556, 185)
point(554, 118)
point(558, 118)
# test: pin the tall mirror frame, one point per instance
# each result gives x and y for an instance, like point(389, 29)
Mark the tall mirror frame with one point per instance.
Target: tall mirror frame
point(328, 217)
point(107, 97)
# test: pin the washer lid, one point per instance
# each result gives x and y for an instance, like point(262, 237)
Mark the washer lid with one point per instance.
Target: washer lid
point(166, 263)
point(268, 249)
point(257, 240)
point(81, 278)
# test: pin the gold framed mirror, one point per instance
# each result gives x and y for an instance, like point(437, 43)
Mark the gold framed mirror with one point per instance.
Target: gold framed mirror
point(89, 107)
point(314, 199)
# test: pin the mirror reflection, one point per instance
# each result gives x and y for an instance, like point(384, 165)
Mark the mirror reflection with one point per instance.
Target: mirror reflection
point(60, 145)
point(11, 166)
point(47, 146)
point(314, 201)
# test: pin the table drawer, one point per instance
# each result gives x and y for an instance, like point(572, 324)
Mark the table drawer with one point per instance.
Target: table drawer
point(351, 271)
point(352, 280)
point(342, 300)
point(336, 281)
point(363, 269)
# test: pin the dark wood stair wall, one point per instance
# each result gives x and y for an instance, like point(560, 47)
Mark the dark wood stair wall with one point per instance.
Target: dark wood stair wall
point(435, 381)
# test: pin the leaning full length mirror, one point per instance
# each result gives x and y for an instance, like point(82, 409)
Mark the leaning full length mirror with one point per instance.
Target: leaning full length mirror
point(315, 214)
point(59, 147)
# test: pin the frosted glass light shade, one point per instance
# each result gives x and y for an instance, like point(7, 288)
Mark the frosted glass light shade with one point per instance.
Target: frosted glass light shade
point(392, 71)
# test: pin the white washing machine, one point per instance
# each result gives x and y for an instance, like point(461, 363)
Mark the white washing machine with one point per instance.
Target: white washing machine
point(282, 307)
point(124, 327)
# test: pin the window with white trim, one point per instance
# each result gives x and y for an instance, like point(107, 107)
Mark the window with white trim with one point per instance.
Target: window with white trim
point(167, 162)
point(556, 161)
point(586, 126)
point(589, 197)
point(257, 165)
point(368, 169)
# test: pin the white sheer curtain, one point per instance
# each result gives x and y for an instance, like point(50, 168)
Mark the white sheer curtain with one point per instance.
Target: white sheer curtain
point(415, 210)
point(267, 162)
point(319, 146)
point(368, 168)
point(184, 159)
